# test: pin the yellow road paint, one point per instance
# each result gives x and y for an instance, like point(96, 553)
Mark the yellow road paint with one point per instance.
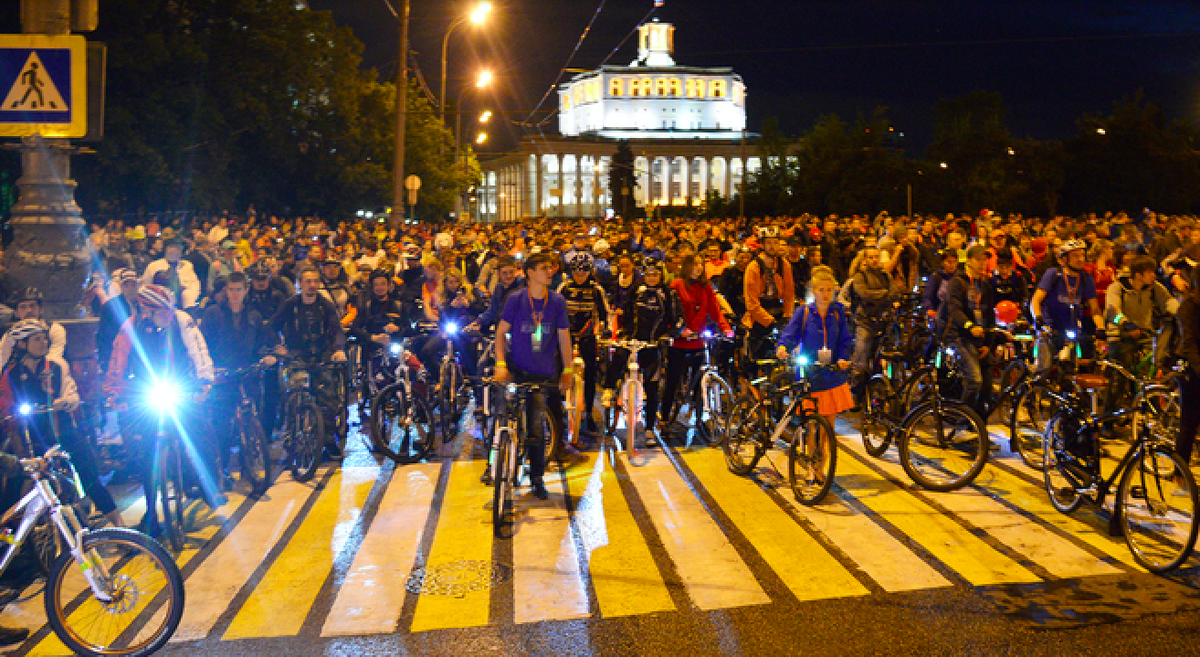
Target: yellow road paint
point(973, 559)
point(1052, 552)
point(624, 576)
point(203, 524)
point(370, 598)
point(215, 583)
point(282, 600)
point(805, 567)
point(464, 533)
point(710, 567)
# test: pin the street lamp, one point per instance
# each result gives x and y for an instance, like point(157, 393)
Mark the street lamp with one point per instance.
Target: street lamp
point(485, 78)
point(477, 17)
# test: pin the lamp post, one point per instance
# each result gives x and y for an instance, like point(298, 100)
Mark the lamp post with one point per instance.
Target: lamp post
point(401, 118)
point(485, 78)
point(477, 17)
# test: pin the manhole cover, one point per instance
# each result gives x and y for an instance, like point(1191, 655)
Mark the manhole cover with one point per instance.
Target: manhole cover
point(457, 578)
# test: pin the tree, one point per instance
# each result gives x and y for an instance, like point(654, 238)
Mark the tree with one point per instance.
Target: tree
point(971, 140)
point(217, 104)
point(621, 178)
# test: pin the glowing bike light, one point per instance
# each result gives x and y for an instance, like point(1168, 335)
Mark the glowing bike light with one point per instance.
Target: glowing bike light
point(394, 349)
point(802, 361)
point(25, 409)
point(707, 335)
point(165, 397)
point(451, 328)
point(1070, 335)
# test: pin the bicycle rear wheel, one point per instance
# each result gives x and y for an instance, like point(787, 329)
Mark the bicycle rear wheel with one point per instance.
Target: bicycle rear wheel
point(943, 446)
point(306, 440)
point(139, 571)
point(1005, 390)
point(919, 388)
point(1158, 511)
point(743, 441)
point(1027, 423)
point(170, 493)
point(812, 459)
point(1062, 486)
point(401, 428)
point(876, 436)
point(255, 452)
point(633, 411)
point(341, 413)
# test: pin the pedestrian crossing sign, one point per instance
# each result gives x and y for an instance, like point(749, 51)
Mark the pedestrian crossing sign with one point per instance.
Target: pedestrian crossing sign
point(43, 85)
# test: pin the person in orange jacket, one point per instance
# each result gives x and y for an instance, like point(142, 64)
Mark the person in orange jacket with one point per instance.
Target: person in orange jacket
point(770, 297)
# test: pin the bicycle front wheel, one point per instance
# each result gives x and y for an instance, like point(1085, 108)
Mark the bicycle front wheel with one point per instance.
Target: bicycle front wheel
point(1027, 424)
point(255, 453)
point(137, 572)
point(170, 493)
point(1157, 502)
point(943, 446)
point(716, 401)
point(1062, 484)
point(633, 411)
point(812, 459)
point(307, 439)
point(401, 428)
point(504, 478)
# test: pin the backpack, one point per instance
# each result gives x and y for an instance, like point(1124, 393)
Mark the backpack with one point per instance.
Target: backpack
point(1167, 344)
point(804, 321)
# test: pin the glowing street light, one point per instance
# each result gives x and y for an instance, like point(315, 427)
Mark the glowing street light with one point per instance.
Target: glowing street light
point(486, 116)
point(481, 138)
point(478, 16)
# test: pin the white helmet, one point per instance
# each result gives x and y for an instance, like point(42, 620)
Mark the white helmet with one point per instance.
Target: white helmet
point(1069, 246)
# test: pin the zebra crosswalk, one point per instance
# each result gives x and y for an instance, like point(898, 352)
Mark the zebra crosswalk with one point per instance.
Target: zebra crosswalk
point(372, 549)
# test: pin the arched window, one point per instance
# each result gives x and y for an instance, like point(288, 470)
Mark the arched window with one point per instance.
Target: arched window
point(616, 87)
point(716, 89)
point(695, 88)
point(676, 87)
point(660, 87)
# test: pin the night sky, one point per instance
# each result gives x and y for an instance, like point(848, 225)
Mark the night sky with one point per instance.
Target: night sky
point(1052, 61)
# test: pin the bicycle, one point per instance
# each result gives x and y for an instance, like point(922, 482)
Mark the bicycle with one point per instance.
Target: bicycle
point(812, 446)
point(304, 421)
point(575, 404)
point(628, 402)
point(402, 425)
point(1033, 406)
point(1156, 500)
point(103, 576)
point(509, 448)
point(943, 442)
point(254, 446)
point(710, 397)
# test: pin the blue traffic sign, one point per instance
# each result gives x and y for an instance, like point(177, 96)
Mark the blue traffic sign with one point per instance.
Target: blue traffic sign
point(43, 84)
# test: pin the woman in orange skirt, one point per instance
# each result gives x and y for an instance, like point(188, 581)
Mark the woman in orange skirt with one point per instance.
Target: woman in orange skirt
point(819, 332)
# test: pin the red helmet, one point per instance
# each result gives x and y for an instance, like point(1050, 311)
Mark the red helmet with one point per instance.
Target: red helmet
point(1007, 312)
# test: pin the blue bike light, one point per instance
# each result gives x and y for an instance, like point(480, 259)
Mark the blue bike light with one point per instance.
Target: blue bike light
point(451, 328)
point(394, 349)
point(25, 409)
point(1070, 335)
point(707, 334)
point(802, 360)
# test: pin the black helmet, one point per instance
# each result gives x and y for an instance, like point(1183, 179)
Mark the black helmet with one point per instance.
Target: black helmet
point(381, 272)
point(28, 294)
point(258, 270)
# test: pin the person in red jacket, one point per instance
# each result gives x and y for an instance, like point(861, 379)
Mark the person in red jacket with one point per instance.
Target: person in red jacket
point(698, 304)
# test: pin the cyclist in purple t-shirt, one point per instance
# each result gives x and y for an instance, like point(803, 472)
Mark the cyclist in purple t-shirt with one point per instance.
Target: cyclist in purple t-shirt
point(534, 321)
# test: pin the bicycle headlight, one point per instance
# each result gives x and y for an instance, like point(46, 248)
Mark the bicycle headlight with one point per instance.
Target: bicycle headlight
point(1071, 335)
point(25, 409)
point(164, 397)
point(706, 334)
point(394, 349)
point(451, 328)
point(802, 360)
point(512, 389)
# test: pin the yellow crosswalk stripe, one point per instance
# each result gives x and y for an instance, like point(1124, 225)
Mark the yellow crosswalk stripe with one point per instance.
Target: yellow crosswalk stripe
point(217, 581)
point(464, 533)
point(1052, 552)
point(711, 569)
point(203, 525)
point(547, 582)
point(281, 601)
point(622, 569)
point(372, 594)
point(951, 543)
point(803, 564)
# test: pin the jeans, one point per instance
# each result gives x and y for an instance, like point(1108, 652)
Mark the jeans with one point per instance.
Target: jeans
point(538, 406)
point(864, 348)
point(976, 378)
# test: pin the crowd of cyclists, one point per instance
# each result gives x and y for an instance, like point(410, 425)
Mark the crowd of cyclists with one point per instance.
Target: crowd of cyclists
point(185, 300)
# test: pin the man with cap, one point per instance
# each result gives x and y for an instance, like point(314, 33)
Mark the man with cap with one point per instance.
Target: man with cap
point(335, 283)
point(180, 275)
point(226, 263)
point(114, 313)
point(138, 256)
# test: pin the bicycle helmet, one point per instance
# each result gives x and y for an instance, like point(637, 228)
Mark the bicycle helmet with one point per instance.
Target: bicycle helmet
point(652, 263)
point(380, 272)
point(259, 271)
point(28, 294)
point(1071, 245)
point(768, 231)
point(600, 246)
point(155, 297)
point(27, 327)
point(581, 261)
